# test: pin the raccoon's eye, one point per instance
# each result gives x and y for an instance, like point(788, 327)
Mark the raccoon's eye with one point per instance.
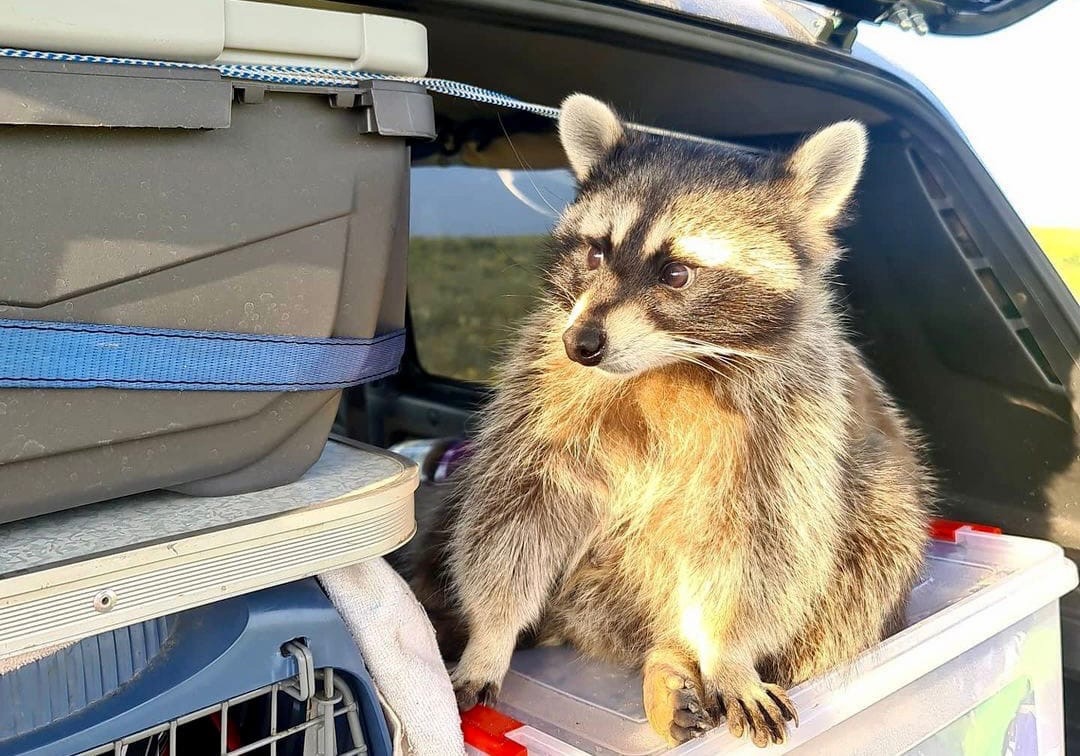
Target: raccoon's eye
point(594, 256)
point(676, 275)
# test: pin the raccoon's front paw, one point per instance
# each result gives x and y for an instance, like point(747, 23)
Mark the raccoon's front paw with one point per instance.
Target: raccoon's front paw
point(675, 702)
point(761, 708)
point(472, 686)
point(479, 674)
point(469, 693)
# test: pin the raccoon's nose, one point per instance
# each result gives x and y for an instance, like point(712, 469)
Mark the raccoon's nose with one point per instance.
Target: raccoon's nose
point(585, 344)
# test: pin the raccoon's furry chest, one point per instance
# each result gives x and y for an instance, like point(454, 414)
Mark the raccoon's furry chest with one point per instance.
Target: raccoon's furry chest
point(665, 454)
point(663, 460)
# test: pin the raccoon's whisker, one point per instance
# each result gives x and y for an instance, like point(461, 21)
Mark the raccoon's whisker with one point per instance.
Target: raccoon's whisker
point(550, 279)
point(738, 367)
point(713, 348)
point(525, 166)
point(701, 364)
point(721, 352)
point(704, 350)
point(701, 360)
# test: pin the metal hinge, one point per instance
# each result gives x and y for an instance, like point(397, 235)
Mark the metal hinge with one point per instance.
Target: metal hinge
point(837, 31)
point(827, 27)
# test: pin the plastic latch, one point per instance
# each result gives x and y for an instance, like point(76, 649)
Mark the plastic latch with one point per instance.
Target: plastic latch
point(301, 687)
point(396, 109)
point(945, 530)
point(485, 730)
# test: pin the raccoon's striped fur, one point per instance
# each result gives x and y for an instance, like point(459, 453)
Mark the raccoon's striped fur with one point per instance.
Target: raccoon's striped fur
point(686, 465)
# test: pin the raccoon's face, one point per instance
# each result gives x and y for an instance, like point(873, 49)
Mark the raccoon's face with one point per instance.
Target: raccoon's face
point(682, 251)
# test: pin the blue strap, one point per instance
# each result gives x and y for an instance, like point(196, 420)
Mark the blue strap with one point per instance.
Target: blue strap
point(38, 354)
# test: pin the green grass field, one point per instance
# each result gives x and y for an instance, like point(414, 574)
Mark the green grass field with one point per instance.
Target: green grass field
point(474, 289)
point(467, 294)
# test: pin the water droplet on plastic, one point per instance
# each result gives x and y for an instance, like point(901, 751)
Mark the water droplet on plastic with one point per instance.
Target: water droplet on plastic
point(33, 447)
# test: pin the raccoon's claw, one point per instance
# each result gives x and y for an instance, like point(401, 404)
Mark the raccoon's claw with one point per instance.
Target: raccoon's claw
point(782, 699)
point(469, 693)
point(689, 718)
point(763, 709)
point(674, 703)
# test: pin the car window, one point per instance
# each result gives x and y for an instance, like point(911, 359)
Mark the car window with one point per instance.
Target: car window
point(1025, 133)
point(477, 238)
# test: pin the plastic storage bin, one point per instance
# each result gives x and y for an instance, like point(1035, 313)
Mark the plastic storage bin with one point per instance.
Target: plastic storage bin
point(220, 206)
point(196, 683)
point(979, 665)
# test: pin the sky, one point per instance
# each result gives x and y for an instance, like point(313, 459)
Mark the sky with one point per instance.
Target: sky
point(1016, 95)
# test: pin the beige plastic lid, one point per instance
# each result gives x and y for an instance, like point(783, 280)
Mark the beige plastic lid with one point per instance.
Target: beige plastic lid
point(84, 571)
point(225, 31)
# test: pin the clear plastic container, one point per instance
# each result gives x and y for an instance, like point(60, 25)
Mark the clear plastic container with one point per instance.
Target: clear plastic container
point(978, 667)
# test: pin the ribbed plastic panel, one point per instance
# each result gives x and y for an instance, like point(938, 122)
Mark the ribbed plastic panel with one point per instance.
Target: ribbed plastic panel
point(63, 683)
point(161, 552)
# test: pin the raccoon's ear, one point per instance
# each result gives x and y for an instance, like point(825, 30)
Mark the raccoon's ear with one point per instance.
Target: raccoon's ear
point(826, 167)
point(588, 129)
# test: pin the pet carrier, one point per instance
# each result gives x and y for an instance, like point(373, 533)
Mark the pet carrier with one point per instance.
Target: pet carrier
point(273, 672)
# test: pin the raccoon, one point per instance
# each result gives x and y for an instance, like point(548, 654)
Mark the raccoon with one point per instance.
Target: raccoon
point(686, 466)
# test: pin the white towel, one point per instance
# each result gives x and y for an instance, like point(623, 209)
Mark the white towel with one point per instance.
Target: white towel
point(398, 644)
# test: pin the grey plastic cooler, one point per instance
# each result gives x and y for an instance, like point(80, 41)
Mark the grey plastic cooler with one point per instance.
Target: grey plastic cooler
point(175, 198)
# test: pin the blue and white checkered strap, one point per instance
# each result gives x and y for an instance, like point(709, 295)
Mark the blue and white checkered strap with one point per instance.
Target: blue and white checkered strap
point(314, 76)
point(304, 76)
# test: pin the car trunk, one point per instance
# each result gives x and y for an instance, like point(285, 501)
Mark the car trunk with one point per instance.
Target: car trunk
point(948, 294)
